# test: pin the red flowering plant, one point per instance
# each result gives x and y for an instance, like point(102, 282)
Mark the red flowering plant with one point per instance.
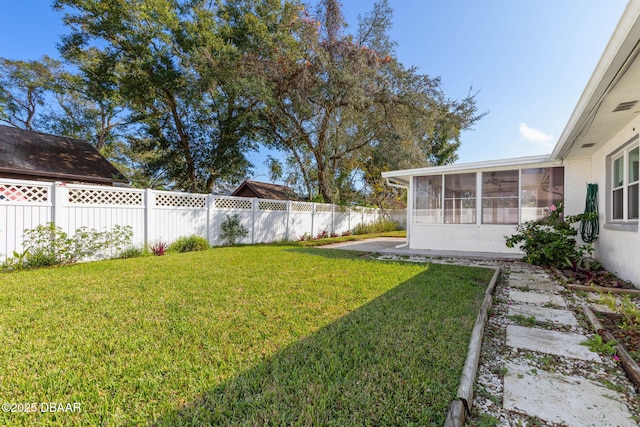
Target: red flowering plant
point(550, 241)
point(159, 248)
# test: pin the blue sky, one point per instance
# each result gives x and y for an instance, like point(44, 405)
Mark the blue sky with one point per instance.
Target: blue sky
point(528, 61)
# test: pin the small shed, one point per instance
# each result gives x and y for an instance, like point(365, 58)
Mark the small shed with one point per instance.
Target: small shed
point(36, 156)
point(264, 190)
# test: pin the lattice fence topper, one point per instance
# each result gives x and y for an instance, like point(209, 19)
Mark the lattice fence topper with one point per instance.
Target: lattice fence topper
point(181, 200)
point(324, 208)
point(104, 197)
point(233, 204)
point(23, 193)
point(301, 207)
point(272, 205)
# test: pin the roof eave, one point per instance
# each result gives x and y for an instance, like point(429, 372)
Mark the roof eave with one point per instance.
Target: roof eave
point(64, 176)
point(458, 167)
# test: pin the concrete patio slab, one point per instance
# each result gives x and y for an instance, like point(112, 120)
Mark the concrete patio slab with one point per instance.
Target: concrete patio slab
point(536, 298)
point(566, 400)
point(389, 245)
point(565, 344)
point(543, 314)
point(536, 286)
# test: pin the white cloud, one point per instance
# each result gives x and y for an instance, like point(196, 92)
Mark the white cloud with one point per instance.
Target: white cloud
point(534, 135)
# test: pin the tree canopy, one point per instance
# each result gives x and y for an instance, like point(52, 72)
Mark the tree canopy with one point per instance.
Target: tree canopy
point(180, 91)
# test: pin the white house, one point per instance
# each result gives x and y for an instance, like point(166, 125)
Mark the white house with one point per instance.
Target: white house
point(472, 206)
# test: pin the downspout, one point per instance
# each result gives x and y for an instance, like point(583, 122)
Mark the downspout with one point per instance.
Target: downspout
point(390, 184)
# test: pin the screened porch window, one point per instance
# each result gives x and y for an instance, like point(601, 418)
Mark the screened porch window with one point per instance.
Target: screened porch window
point(500, 201)
point(427, 207)
point(460, 198)
point(541, 188)
point(445, 199)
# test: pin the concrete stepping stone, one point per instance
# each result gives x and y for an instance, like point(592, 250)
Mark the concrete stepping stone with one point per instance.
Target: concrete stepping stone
point(567, 400)
point(544, 314)
point(535, 286)
point(536, 298)
point(565, 344)
point(529, 277)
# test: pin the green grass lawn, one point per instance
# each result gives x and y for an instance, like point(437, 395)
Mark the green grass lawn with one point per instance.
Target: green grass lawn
point(253, 335)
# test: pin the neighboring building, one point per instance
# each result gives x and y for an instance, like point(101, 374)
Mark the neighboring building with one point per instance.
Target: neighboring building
point(36, 156)
point(471, 207)
point(263, 190)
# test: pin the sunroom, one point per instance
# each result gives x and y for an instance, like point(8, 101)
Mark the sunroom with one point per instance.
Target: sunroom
point(471, 207)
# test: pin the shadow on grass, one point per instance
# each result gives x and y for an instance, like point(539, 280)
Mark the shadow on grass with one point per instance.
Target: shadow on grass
point(394, 361)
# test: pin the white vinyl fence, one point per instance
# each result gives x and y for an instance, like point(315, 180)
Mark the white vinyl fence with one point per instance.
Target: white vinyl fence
point(162, 215)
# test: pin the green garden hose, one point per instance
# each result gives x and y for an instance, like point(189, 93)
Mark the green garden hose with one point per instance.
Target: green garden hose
point(590, 227)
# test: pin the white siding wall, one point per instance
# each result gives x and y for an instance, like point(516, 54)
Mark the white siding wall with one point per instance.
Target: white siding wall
point(617, 250)
point(487, 238)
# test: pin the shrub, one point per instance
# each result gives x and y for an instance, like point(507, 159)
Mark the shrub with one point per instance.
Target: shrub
point(305, 237)
point(131, 252)
point(322, 235)
point(232, 230)
point(18, 262)
point(550, 242)
point(189, 244)
point(380, 226)
point(159, 248)
point(48, 244)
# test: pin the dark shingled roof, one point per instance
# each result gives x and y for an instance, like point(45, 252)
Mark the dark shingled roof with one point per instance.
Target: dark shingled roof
point(44, 156)
point(263, 190)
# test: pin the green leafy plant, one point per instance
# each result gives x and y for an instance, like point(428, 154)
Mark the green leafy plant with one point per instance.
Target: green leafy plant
point(625, 307)
point(523, 320)
point(48, 244)
point(380, 226)
point(486, 420)
point(131, 252)
point(19, 261)
point(232, 229)
point(189, 244)
point(598, 345)
point(550, 241)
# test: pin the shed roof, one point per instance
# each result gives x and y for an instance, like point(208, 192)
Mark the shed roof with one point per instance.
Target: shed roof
point(25, 152)
point(264, 190)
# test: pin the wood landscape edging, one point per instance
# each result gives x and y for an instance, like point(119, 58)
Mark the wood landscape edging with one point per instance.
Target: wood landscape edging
point(460, 407)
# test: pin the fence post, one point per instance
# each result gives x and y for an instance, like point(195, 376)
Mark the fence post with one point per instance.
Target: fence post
point(288, 219)
point(149, 204)
point(313, 216)
point(210, 203)
point(60, 200)
point(254, 210)
point(333, 219)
